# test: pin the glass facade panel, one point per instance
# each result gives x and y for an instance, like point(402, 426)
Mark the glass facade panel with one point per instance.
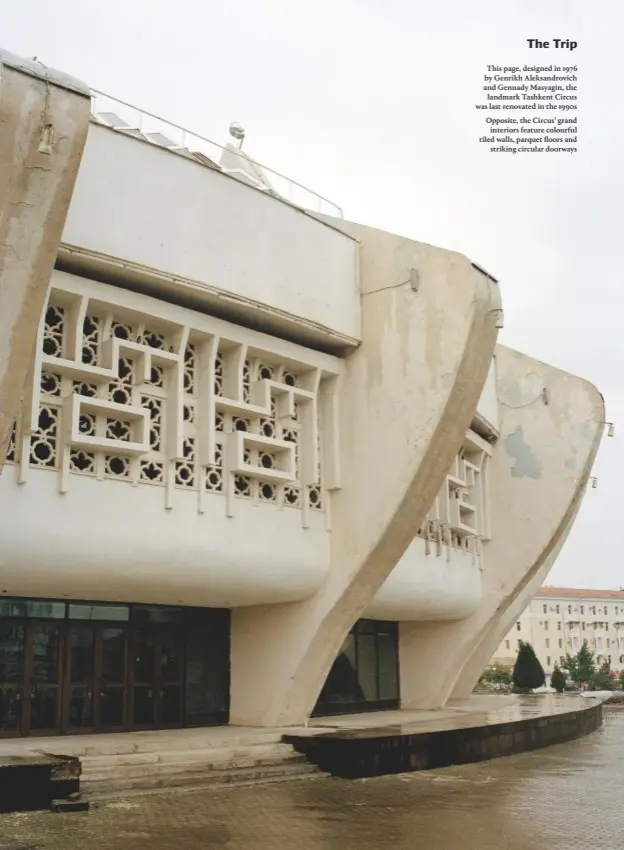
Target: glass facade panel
point(144, 654)
point(342, 684)
point(81, 656)
point(92, 666)
point(367, 666)
point(80, 707)
point(157, 614)
point(113, 655)
point(143, 707)
point(32, 608)
point(111, 707)
point(99, 612)
point(45, 654)
point(11, 652)
point(388, 667)
point(207, 667)
point(43, 712)
point(364, 676)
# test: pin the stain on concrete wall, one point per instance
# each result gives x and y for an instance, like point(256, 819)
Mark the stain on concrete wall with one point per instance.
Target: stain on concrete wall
point(526, 462)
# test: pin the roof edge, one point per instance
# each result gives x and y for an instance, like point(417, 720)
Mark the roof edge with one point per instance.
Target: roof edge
point(36, 68)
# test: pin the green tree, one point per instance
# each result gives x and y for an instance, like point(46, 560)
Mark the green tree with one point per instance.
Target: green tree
point(586, 665)
point(581, 667)
point(528, 673)
point(571, 666)
point(497, 674)
point(558, 680)
point(603, 679)
point(621, 679)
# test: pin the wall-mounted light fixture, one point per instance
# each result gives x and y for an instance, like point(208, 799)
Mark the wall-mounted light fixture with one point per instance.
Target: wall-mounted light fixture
point(610, 429)
point(594, 482)
point(47, 139)
point(545, 395)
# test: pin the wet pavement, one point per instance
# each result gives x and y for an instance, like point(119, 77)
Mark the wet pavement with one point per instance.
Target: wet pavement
point(568, 797)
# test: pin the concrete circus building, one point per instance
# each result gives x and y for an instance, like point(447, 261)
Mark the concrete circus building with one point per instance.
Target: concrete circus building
point(260, 461)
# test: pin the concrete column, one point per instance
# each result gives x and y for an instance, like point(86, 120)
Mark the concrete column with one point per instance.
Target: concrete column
point(44, 119)
point(407, 398)
point(551, 426)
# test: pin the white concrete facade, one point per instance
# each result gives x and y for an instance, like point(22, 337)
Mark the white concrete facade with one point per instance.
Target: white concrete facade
point(235, 404)
point(131, 210)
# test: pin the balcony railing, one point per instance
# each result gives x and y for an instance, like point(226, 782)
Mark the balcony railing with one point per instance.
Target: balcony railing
point(136, 122)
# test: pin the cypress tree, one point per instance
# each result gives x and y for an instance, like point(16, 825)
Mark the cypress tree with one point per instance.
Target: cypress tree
point(528, 672)
point(558, 680)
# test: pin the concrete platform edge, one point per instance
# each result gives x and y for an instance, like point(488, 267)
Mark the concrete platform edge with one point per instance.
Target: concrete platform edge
point(382, 751)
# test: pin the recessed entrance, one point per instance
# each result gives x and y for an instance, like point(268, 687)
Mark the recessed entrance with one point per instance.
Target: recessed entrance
point(71, 668)
point(365, 674)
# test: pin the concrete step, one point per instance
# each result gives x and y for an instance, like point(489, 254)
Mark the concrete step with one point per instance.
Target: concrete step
point(120, 784)
point(149, 742)
point(101, 795)
point(96, 772)
point(206, 755)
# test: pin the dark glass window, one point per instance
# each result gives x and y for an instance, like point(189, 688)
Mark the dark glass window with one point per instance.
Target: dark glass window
point(99, 612)
point(114, 665)
point(365, 675)
point(32, 608)
point(207, 666)
point(157, 614)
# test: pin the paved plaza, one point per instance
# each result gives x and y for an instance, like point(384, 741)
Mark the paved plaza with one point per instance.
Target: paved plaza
point(568, 797)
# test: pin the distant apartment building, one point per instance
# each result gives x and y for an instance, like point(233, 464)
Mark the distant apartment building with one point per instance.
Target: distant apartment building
point(559, 619)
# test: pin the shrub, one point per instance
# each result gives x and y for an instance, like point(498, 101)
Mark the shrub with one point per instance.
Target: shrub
point(498, 674)
point(603, 680)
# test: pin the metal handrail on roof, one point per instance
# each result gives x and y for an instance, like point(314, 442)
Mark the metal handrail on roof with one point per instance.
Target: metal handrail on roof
point(128, 119)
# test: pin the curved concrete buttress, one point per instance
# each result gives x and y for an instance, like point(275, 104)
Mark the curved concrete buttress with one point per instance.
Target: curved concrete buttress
point(42, 110)
point(500, 626)
point(537, 476)
point(406, 400)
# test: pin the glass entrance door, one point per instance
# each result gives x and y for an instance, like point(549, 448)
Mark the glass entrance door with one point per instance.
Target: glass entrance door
point(43, 678)
point(83, 667)
point(96, 678)
point(12, 656)
point(157, 676)
point(30, 677)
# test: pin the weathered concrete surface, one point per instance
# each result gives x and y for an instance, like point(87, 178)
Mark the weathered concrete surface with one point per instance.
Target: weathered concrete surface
point(561, 798)
point(551, 427)
point(500, 626)
point(528, 723)
point(38, 107)
point(406, 400)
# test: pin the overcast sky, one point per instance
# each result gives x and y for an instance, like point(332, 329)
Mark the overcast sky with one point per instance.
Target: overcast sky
point(371, 103)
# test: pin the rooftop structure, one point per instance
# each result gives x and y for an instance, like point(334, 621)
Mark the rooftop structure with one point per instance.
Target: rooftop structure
point(140, 124)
